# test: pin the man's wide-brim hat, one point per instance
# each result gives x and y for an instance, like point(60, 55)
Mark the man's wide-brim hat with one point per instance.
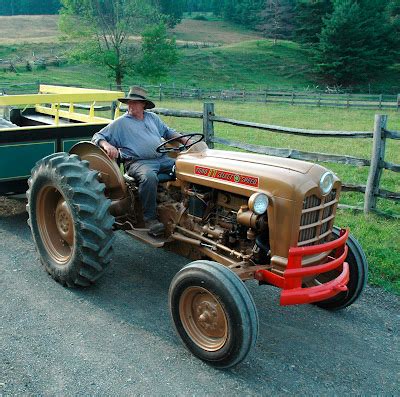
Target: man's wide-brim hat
point(138, 94)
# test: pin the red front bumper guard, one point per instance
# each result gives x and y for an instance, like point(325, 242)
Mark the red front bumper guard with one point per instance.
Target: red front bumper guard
point(293, 293)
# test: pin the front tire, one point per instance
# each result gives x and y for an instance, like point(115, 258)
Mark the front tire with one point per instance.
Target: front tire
point(358, 267)
point(213, 313)
point(69, 219)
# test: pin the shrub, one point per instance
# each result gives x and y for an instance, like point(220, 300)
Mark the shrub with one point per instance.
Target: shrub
point(200, 18)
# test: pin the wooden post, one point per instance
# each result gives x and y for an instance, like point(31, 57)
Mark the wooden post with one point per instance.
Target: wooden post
point(160, 93)
point(266, 95)
point(292, 97)
point(398, 102)
point(380, 101)
point(113, 108)
point(377, 159)
point(208, 125)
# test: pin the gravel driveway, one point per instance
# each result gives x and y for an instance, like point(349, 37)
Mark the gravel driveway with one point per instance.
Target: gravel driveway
point(116, 337)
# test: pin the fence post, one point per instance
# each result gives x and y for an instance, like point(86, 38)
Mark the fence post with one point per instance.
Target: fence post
point(377, 159)
point(266, 95)
point(380, 101)
point(208, 125)
point(160, 93)
point(398, 102)
point(113, 108)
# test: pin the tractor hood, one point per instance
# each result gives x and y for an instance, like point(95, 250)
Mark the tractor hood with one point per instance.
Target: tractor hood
point(280, 162)
point(246, 173)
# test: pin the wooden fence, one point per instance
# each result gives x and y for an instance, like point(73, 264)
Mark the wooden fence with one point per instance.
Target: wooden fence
point(160, 92)
point(376, 164)
point(310, 98)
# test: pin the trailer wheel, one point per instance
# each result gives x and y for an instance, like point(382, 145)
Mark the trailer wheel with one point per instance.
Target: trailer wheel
point(213, 313)
point(69, 219)
point(358, 267)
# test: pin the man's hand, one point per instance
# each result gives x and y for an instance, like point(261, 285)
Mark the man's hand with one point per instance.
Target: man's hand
point(186, 141)
point(111, 151)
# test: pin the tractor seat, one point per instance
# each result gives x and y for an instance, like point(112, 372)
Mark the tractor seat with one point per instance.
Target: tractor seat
point(162, 178)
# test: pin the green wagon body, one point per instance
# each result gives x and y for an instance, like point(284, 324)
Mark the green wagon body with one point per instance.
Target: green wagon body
point(43, 130)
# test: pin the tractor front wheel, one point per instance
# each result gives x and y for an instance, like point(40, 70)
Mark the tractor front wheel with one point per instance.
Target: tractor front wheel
point(213, 313)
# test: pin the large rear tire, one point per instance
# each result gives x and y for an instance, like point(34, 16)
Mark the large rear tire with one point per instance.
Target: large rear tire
point(69, 219)
point(358, 267)
point(213, 313)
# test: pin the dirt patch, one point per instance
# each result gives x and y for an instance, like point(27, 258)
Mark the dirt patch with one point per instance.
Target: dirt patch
point(28, 28)
point(212, 32)
point(11, 206)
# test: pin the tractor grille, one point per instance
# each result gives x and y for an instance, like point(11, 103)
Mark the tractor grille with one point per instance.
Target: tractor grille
point(317, 219)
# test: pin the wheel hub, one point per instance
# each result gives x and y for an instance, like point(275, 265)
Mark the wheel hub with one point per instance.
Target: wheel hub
point(207, 316)
point(64, 222)
point(55, 223)
point(203, 318)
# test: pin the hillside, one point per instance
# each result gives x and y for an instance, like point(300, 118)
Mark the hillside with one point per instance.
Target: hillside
point(248, 64)
point(225, 56)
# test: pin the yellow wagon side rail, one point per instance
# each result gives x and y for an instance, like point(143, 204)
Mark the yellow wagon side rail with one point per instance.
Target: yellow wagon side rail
point(56, 95)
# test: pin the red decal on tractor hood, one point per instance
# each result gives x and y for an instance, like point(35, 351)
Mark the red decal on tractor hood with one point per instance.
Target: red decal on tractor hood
point(226, 176)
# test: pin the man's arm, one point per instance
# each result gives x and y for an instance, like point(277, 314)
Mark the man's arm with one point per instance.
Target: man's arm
point(102, 139)
point(169, 133)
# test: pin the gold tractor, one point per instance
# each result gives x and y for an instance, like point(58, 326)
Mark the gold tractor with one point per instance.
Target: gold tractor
point(236, 216)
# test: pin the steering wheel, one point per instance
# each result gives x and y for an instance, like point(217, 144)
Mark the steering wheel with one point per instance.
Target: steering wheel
point(183, 146)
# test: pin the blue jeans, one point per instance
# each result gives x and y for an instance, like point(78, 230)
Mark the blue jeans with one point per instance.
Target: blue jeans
point(146, 173)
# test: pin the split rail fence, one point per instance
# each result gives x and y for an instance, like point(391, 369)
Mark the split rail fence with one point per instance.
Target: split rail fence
point(268, 96)
point(372, 190)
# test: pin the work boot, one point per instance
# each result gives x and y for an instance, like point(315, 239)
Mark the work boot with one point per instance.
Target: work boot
point(156, 228)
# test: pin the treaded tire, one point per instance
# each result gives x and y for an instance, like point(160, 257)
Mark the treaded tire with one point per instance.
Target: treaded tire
point(225, 292)
point(358, 267)
point(64, 181)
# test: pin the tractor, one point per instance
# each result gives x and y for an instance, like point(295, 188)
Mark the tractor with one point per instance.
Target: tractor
point(236, 217)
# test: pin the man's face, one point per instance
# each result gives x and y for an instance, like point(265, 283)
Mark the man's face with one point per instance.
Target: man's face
point(136, 106)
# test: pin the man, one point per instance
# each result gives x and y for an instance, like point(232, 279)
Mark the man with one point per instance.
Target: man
point(135, 137)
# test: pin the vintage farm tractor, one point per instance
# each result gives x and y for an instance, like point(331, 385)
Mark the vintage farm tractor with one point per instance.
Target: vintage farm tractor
point(237, 216)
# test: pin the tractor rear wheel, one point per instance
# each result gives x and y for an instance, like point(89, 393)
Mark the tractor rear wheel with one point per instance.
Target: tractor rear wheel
point(69, 219)
point(213, 313)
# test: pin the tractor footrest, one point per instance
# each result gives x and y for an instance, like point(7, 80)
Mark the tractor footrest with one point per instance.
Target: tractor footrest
point(143, 236)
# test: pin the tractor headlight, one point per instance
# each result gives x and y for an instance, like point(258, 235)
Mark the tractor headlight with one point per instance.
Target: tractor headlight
point(258, 203)
point(326, 182)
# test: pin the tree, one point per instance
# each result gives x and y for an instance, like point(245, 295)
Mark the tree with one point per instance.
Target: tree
point(278, 19)
point(29, 7)
point(173, 10)
point(158, 52)
point(309, 19)
point(217, 7)
point(358, 42)
point(103, 29)
point(243, 12)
